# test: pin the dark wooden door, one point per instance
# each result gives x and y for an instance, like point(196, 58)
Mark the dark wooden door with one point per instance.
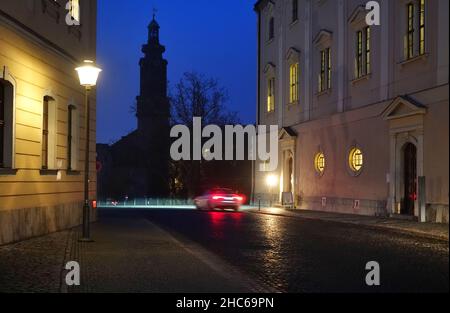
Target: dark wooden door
point(409, 179)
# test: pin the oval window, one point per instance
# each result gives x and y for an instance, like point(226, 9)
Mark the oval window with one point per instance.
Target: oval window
point(356, 160)
point(319, 163)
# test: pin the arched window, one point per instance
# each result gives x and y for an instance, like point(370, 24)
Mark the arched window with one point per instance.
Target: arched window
point(6, 123)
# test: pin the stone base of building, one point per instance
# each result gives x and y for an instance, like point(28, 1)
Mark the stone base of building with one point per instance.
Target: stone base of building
point(343, 205)
point(435, 213)
point(20, 224)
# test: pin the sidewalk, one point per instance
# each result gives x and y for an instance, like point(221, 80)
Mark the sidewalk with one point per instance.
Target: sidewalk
point(128, 255)
point(428, 230)
point(134, 255)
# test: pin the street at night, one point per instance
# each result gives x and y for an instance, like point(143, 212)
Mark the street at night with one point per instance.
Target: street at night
point(297, 255)
point(225, 155)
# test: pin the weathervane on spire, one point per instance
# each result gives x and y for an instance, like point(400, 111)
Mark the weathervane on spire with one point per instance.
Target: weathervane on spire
point(155, 10)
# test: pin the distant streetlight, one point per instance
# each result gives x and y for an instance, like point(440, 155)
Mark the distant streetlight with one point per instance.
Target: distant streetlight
point(88, 74)
point(271, 181)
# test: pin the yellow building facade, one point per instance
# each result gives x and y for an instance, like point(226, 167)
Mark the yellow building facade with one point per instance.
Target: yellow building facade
point(42, 115)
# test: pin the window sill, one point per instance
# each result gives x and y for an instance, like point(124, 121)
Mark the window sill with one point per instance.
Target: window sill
point(73, 172)
point(45, 172)
point(362, 78)
point(291, 104)
point(422, 57)
point(325, 92)
point(8, 172)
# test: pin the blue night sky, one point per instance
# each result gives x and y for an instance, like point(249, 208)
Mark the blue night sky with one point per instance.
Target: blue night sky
point(212, 37)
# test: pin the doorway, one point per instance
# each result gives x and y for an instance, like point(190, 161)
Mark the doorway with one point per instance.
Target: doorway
point(290, 175)
point(409, 179)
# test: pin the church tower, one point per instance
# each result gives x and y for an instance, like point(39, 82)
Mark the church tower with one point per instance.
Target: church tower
point(153, 113)
point(152, 103)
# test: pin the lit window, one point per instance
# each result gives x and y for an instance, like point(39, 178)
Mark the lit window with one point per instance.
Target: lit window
point(368, 61)
point(270, 95)
point(319, 162)
point(362, 62)
point(410, 36)
point(293, 83)
point(422, 27)
point(359, 54)
point(415, 36)
point(325, 70)
point(356, 160)
point(328, 54)
point(75, 10)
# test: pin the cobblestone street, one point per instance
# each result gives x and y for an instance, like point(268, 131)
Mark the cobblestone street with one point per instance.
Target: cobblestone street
point(191, 251)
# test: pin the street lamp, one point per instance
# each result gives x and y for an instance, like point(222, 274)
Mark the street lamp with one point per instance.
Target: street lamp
point(271, 181)
point(88, 75)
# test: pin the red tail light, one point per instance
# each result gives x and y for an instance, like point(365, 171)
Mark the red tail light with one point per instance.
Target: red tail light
point(216, 197)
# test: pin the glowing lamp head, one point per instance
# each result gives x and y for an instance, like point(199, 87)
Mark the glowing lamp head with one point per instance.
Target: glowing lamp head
point(271, 180)
point(88, 73)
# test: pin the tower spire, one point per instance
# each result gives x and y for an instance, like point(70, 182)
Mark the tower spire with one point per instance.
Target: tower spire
point(153, 29)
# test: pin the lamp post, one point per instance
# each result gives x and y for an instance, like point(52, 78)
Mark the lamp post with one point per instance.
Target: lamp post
point(271, 181)
point(88, 75)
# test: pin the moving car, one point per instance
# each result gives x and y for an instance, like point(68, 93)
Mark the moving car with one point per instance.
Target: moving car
point(219, 198)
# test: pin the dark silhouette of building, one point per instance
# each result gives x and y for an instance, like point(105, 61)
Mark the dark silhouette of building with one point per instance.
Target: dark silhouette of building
point(138, 164)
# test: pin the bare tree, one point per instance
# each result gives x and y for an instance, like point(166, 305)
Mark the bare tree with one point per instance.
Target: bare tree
point(196, 96)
